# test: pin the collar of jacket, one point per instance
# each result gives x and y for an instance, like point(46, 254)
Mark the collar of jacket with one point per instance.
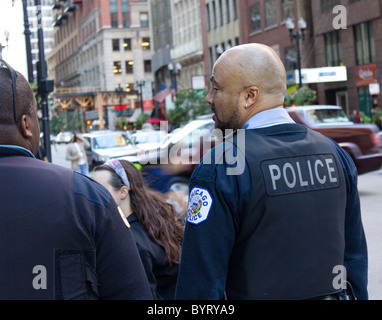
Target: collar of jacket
point(11, 150)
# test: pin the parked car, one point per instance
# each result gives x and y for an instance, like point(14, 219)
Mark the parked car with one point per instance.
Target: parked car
point(106, 145)
point(361, 141)
point(64, 137)
point(149, 139)
point(169, 165)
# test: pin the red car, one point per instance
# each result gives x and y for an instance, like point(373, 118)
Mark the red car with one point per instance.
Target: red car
point(361, 141)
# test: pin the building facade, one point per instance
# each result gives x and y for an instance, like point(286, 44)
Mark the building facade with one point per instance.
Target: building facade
point(264, 21)
point(188, 40)
point(104, 45)
point(221, 29)
point(47, 21)
point(354, 42)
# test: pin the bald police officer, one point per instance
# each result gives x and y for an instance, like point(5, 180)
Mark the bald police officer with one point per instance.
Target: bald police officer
point(287, 222)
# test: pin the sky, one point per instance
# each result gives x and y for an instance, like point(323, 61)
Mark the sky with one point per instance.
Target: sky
point(11, 19)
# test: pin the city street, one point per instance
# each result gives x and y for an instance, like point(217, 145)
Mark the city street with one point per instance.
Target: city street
point(370, 189)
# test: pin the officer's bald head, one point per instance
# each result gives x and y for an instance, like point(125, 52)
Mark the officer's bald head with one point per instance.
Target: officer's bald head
point(257, 65)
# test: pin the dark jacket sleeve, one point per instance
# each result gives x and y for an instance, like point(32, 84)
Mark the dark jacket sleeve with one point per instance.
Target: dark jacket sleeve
point(207, 246)
point(119, 268)
point(356, 256)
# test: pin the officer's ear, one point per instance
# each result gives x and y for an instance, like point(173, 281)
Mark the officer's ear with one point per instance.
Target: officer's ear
point(123, 193)
point(25, 126)
point(252, 94)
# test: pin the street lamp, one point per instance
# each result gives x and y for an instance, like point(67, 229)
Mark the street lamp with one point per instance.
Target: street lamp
point(174, 72)
point(141, 84)
point(6, 34)
point(119, 92)
point(45, 85)
point(297, 36)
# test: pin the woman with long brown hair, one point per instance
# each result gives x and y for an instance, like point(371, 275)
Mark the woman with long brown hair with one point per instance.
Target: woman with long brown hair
point(156, 226)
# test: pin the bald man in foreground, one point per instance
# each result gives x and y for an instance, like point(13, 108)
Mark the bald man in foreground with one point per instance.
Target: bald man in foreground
point(62, 236)
point(274, 210)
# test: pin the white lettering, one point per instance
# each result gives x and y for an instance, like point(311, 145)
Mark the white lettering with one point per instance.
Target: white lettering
point(302, 182)
point(272, 169)
point(293, 183)
point(330, 170)
point(320, 180)
point(310, 173)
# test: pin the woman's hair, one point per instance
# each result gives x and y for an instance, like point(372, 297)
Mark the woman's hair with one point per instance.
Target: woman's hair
point(156, 215)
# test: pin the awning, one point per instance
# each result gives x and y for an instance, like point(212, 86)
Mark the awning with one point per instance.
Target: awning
point(136, 114)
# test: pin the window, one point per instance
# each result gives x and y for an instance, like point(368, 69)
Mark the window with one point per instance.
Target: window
point(125, 13)
point(227, 11)
point(114, 13)
point(333, 49)
point(287, 9)
point(235, 16)
point(117, 67)
point(144, 17)
point(208, 17)
point(365, 100)
point(127, 44)
point(270, 13)
point(364, 43)
point(214, 15)
point(115, 44)
point(255, 18)
point(221, 12)
point(146, 43)
point(147, 66)
point(129, 87)
point(129, 66)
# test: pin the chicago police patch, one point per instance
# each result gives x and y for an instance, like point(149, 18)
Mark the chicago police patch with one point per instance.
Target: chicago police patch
point(199, 205)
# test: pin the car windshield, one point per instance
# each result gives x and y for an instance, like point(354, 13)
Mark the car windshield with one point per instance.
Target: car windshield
point(318, 116)
point(151, 137)
point(111, 141)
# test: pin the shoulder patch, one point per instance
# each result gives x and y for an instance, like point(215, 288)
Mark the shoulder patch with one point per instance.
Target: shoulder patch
point(199, 205)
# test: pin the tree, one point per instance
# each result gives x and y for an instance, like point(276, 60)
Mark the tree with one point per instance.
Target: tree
point(142, 118)
point(57, 123)
point(74, 124)
point(300, 97)
point(189, 104)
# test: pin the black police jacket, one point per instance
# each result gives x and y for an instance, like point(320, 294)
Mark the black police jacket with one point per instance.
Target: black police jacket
point(61, 236)
point(292, 231)
point(275, 227)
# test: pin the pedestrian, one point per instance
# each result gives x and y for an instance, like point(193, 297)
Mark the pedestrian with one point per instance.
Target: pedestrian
point(156, 226)
point(356, 117)
point(76, 153)
point(287, 223)
point(62, 236)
